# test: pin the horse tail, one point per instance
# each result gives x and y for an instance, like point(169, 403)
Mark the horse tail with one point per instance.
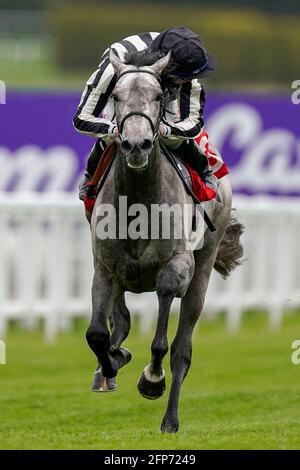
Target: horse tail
point(230, 251)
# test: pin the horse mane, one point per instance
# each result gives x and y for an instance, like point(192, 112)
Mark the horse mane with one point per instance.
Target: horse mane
point(148, 57)
point(142, 58)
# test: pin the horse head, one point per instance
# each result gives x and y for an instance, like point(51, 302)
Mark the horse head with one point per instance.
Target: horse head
point(138, 99)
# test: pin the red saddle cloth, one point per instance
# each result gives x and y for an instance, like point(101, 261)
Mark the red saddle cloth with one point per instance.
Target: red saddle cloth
point(201, 190)
point(89, 203)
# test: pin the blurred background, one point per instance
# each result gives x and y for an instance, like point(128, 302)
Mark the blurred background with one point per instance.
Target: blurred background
point(48, 49)
point(51, 43)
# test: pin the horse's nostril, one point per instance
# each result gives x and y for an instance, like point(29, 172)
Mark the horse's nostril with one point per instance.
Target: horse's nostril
point(126, 146)
point(146, 145)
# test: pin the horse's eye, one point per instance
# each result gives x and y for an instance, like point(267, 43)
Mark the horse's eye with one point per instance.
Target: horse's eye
point(159, 97)
point(115, 98)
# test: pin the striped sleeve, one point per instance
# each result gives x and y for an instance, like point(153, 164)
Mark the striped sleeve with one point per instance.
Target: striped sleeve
point(93, 100)
point(191, 102)
point(100, 85)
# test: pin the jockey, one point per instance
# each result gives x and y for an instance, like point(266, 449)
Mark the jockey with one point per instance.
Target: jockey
point(183, 120)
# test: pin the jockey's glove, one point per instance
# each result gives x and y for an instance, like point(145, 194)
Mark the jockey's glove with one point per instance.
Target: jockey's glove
point(164, 130)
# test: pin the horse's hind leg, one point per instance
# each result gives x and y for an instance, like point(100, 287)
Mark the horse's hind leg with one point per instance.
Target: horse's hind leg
point(173, 280)
point(98, 335)
point(181, 349)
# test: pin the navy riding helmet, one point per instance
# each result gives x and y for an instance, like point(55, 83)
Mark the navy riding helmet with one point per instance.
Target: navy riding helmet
point(190, 58)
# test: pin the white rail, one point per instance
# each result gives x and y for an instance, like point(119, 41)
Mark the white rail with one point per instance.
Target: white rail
point(46, 264)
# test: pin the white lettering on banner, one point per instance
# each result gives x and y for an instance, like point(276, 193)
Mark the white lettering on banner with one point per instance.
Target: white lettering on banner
point(31, 166)
point(265, 156)
point(239, 121)
point(265, 164)
point(278, 175)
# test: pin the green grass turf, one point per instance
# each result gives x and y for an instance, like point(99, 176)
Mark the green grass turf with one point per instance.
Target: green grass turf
point(242, 392)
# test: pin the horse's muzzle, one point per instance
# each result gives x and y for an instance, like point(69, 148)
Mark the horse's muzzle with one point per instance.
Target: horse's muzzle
point(137, 155)
point(139, 163)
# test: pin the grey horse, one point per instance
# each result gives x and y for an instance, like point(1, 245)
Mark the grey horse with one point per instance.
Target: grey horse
point(144, 176)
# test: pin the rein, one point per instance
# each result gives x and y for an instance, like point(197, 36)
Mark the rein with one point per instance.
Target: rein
point(140, 113)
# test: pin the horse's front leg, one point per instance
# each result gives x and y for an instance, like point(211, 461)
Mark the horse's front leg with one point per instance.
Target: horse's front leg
point(172, 281)
point(104, 291)
point(119, 321)
point(120, 327)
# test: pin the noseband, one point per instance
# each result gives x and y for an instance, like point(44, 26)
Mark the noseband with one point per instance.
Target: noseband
point(140, 113)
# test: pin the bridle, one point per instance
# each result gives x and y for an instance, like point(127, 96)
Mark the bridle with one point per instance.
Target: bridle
point(155, 135)
point(140, 113)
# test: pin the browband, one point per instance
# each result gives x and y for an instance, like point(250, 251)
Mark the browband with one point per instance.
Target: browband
point(140, 71)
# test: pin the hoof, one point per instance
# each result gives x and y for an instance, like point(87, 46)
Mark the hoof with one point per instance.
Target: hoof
point(150, 389)
point(169, 425)
point(122, 356)
point(126, 356)
point(102, 384)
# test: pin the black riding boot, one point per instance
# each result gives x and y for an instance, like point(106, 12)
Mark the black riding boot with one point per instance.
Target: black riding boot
point(85, 189)
point(190, 153)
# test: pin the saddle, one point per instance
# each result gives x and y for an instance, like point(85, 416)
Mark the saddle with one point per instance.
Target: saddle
point(190, 178)
point(194, 185)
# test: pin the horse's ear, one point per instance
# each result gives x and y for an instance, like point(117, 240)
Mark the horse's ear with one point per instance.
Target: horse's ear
point(161, 64)
point(116, 62)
